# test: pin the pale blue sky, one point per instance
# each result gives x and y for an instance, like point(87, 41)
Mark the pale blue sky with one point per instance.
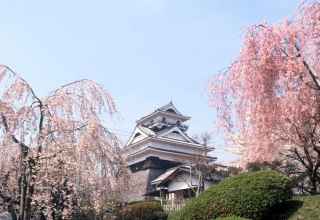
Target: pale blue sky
point(145, 52)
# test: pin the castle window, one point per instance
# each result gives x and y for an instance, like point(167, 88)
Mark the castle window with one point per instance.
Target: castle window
point(171, 110)
point(137, 135)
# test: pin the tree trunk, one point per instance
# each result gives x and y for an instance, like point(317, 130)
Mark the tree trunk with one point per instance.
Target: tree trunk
point(24, 183)
point(314, 185)
point(12, 211)
point(28, 202)
point(23, 193)
point(31, 186)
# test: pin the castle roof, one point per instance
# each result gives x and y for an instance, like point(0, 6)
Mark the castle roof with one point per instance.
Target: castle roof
point(163, 134)
point(168, 110)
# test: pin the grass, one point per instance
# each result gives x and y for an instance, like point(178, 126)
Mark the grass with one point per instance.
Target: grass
point(310, 208)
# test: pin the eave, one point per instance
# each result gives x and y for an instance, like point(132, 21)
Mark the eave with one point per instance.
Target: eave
point(164, 113)
point(171, 141)
point(169, 152)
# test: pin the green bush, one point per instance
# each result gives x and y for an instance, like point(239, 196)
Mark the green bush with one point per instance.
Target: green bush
point(249, 195)
point(146, 210)
point(231, 218)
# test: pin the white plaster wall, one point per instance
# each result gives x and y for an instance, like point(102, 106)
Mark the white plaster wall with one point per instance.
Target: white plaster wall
point(137, 148)
point(176, 147)
point(182, 181)
point(175, 136)
point(139, 138)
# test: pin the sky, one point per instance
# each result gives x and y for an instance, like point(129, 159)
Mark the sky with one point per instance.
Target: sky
point(144, 52)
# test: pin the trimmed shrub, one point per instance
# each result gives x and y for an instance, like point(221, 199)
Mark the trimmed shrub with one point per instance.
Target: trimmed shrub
point(145, 210)
point(232, 218)
point(249, 195)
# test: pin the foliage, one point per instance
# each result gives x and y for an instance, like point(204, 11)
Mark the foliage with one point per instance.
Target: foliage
point(249, 195)
point(268, 100)
point(84, 214)
point(88, 212)
point(256, 166)
point(300, 207)
point(272, 88)
point(231, 218)
point(299, 178)
point(55, 151)
point(146, 210)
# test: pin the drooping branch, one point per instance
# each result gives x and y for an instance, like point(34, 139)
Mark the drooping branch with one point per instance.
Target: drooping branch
point(24, 147)
point(268, 84)
point(312, 75)
point(66, 138)
point(306, 65)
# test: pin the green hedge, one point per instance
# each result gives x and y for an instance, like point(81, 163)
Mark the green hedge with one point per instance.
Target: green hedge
point(145, 210)
point(249, 195)
point(232, 218)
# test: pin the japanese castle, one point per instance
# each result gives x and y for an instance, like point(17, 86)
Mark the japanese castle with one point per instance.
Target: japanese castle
point(160, 154)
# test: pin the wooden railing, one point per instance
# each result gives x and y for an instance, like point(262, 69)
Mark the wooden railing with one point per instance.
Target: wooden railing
point(171, 206)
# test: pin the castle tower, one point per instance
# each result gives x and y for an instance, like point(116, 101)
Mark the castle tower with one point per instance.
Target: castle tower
point(158, 143)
